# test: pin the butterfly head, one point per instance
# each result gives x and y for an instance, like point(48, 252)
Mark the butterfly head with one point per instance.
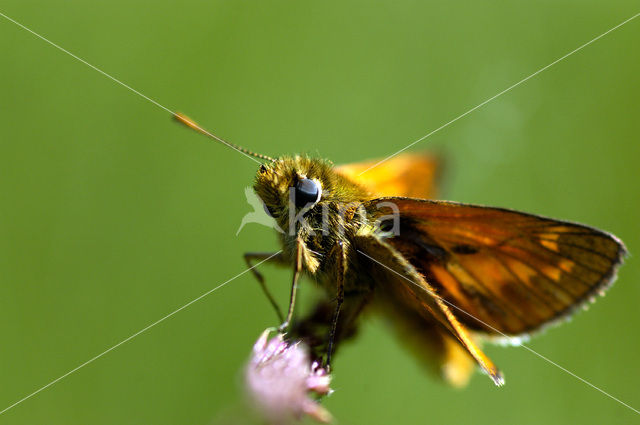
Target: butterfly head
point(290, 184)
point(300, 185)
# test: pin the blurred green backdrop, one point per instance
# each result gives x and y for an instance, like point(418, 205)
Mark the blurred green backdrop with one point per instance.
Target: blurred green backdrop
point(112, 216)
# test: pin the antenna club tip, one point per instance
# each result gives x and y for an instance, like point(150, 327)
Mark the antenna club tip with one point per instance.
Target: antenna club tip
point(188, 122)
point(185, 120)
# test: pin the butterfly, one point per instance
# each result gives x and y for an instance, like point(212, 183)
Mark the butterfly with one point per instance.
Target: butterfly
point(449, 275)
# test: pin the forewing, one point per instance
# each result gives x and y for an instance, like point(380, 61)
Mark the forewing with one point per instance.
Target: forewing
point(506, 272)
point(408, 174)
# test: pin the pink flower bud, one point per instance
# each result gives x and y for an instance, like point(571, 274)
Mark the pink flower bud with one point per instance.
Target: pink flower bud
point(281, 378)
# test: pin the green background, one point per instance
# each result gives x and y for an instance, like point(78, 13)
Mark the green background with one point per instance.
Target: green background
point(112, 216)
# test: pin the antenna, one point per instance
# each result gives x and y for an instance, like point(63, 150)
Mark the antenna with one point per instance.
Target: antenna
point(185, 120)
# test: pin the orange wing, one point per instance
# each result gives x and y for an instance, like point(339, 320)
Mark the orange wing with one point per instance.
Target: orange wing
point(408, 174)
point(503, 272)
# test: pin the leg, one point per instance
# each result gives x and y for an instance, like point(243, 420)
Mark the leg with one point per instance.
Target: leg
point(340, 272)
point(294, 287)
point(248, 258)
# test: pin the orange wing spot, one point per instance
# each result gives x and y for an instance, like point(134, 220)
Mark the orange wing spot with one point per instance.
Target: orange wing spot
point(449, 282)
point(553, 232)
point(478, 239)
point(552, 272)
point(556, 271)
point(553, 246)
point(566, 266)
point(461, 275)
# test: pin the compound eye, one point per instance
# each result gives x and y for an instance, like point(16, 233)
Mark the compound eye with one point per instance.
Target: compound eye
point(307, 192)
